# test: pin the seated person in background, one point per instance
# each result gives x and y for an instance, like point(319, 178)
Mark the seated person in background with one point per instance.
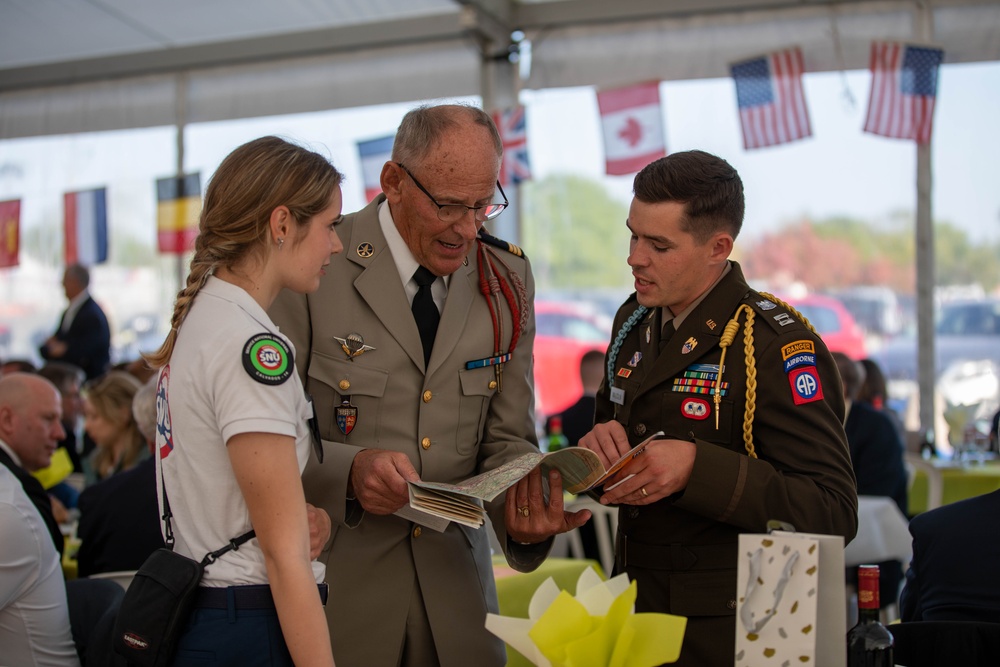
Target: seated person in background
point(30, 427)
point(17, 366)
point(874, 392)
point(119, 517)
point(68, 379)
point(877, 459)
point(995, 432)
point(34, 615)
point(577, 420)
point(107, 413)
point(955, 571)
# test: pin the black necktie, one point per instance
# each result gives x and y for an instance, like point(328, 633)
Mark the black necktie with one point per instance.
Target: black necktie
point(666, 332)
point(425, 312)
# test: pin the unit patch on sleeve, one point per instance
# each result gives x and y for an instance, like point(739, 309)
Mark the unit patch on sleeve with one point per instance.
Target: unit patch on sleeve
point(806, 387)
point(267, 359)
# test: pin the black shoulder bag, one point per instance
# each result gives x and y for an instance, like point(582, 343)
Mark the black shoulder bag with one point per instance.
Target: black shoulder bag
point(159, 600)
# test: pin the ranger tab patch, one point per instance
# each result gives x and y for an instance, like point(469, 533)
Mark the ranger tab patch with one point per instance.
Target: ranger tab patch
point(267, 359)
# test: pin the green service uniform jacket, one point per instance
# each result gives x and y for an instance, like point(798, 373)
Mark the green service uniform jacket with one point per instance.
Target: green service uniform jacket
point(682, 550)
point(450, 421)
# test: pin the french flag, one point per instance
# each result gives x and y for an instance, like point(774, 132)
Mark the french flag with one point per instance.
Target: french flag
point(374, 154)
point(86, 224)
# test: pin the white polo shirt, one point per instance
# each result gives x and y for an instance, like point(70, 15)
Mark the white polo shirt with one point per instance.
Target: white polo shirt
point(230, 372)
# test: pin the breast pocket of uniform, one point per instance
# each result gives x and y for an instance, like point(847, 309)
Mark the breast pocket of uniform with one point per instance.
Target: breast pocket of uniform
point(335, 383)
point(474, 404)
point(696, 413)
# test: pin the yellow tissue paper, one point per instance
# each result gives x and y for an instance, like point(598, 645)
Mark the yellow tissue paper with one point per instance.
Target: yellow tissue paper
point(58, 469)
point(598, 627)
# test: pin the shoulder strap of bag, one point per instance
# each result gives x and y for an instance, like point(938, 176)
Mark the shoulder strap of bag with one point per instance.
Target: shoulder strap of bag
point(211, 556)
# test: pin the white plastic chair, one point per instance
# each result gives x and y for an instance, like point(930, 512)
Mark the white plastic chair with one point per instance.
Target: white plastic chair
point(935, 483)
point(605, 521)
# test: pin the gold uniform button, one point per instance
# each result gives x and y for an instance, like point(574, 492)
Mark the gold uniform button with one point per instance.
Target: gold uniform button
point(416, 531)
point(493, 384)
point(426, 443)
point(428, 396)
point(345, 385)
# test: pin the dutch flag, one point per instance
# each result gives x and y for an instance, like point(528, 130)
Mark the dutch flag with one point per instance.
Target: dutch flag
point(86, 225)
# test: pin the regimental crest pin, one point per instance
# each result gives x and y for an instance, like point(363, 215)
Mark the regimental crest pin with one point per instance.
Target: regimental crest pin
point(689, 345)
point(347, 417)
point(636, 358)
point(766, 305)
point(353, 345)
point(366, 250)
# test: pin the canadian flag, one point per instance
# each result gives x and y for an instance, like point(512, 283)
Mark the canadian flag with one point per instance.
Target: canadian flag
point(633, 127)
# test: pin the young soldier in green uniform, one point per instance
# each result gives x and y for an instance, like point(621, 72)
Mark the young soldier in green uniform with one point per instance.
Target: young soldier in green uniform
point(746, 392)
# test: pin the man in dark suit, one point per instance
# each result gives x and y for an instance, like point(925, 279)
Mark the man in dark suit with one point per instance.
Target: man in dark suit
point(954, 574)
point(30, 430)
point(83, 337)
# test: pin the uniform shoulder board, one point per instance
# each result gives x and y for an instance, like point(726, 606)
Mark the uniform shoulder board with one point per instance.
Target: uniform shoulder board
point(500, 243)
point(775, 312)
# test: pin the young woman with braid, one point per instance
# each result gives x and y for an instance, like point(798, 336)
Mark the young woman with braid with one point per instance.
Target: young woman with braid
point(232, 416)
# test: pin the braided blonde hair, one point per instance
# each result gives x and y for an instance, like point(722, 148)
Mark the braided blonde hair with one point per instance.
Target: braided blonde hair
point(249, 184)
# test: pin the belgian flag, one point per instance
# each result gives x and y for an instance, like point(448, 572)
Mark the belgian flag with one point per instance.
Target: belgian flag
point(177, 210)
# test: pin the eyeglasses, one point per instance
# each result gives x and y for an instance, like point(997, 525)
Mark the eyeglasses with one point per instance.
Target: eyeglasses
point(455, 212)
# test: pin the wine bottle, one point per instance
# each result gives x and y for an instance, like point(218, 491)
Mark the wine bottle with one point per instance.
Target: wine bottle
point(869, 643)
point(556, 439)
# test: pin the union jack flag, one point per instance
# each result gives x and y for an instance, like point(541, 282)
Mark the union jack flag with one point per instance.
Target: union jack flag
point(514, 133)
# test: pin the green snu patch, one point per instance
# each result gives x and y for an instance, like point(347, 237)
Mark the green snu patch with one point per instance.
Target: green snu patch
point(267, 359)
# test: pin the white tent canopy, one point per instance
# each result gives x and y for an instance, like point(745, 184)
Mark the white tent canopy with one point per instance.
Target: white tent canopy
point(116, 64)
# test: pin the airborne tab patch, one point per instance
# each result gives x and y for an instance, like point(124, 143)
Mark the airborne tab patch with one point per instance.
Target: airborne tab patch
point(267, 359)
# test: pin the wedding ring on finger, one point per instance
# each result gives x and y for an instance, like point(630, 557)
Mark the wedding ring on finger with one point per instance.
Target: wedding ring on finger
point(524, 511)
point(643, 492)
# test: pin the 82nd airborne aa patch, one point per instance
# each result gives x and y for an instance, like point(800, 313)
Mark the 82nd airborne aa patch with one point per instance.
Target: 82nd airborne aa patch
point(267, 359)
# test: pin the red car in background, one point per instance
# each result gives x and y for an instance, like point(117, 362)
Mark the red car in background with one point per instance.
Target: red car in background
point(564, 332)
point(834, 323)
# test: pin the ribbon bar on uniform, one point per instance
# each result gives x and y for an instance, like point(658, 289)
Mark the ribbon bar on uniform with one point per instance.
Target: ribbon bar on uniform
point(488, 361)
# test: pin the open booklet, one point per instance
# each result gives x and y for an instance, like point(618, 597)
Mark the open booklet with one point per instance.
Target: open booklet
point(434, 504)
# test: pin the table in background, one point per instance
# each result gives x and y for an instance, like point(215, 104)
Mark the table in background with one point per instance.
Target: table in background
point(514, 589)
point(883, 533)
point(959, 481)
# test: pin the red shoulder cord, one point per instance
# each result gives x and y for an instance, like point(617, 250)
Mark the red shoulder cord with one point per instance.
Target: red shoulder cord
point(492, 284)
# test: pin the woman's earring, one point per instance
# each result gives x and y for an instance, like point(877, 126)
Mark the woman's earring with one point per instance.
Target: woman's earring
point(281, 242)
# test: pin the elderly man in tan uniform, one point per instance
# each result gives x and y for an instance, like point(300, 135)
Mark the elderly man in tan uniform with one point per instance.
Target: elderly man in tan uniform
point(401, 397)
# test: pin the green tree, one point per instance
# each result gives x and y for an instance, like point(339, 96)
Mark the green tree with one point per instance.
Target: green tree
point(574, 232)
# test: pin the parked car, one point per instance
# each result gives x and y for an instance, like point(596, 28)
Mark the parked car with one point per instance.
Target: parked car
point(967, 369)
point(967, 330)
point(564, 332)
point(834, 323)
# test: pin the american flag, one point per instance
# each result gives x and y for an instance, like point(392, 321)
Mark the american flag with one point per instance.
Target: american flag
point(771, 100)
point(904, 87)
point(514, 133)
